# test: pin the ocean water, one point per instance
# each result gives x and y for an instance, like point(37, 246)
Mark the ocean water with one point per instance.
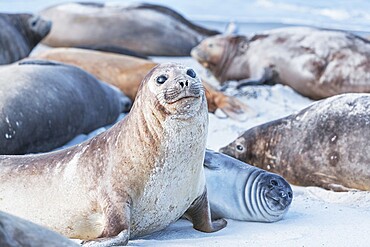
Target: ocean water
point(250, 15)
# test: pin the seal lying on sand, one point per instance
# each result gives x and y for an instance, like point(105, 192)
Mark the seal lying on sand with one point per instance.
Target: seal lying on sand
point(19, 34)
point(144, 28)
point(126, 73)
point(316, 63)
point(326, 144)
point(15, 232)
point(135, 178)
point(45, 104)
point(240, 191)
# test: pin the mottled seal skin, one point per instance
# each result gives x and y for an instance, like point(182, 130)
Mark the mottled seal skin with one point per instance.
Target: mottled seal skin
point(317, 63)
point(15, 232)
point(239, 191)
point(144, 28)
point(45, 104)
point(126, 73)
point(324, 145)
point(19, 34)
point(133, 179)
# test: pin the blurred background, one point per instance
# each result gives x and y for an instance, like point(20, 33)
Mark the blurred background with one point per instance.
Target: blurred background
point(250, 15)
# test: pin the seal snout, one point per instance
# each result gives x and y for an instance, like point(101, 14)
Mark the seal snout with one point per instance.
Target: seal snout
point(279, 194)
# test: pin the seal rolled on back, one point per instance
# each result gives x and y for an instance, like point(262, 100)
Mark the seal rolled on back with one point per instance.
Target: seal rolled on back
point(19, 34)
point(144, 28)
point(133, 179)
point(326, 144)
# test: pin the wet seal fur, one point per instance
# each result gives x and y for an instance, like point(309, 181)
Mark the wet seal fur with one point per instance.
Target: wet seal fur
point(317, 63)
point(239, 191)
point(143, 28)
point(324, 145)
point(44, 104)
point(19, 34)
point(15, 232)
point(133, 179)
point(126, 73)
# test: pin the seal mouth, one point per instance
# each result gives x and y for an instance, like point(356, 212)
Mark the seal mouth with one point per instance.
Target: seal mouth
point(184, 98)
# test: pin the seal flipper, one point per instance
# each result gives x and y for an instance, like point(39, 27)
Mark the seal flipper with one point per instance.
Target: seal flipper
point(117, 227)
point(268, 77)
point(199, 213)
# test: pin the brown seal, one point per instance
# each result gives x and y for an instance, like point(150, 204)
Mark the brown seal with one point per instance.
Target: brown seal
point(135, 178)
point(326, 144)
point(316, 63)
point(126, 73)
point(144, 28)
point(19, 34)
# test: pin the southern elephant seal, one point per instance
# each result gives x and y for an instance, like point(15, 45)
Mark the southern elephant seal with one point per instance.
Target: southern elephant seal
point(317, 63)
point(126, 73)
point(326, 144)
point(15, 232)
point(144, 28)
point(19, 34)
point(240, 191)
point(45, 104)
point(135, 178)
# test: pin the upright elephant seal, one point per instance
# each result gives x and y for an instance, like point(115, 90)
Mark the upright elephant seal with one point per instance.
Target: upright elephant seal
point(16, 232)
point(240, 191)
point(45, 104)
point(126, 73)
point(326, 144)
point(317, 63)
point(19, 34)
point(135, 178)
point(148, 29)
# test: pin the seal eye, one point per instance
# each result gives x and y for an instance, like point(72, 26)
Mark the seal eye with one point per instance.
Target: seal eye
point(191, 73)
point(161, 79)
point(210, 45)
point(239, 147)
point(274, 182)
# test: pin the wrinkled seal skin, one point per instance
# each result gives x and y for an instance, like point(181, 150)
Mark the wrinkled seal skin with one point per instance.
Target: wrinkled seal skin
point(144, 28)
point(133, 179)
point(317, 63)
point(45, 104)
point(240, 191)
point(323, 145)
point(19, 34)
point(15, 232)
point(126, 73)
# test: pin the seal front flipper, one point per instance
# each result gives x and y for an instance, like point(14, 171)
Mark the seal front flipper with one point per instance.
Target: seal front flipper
point(199, 214)
point(268, 77)
point(117, 226)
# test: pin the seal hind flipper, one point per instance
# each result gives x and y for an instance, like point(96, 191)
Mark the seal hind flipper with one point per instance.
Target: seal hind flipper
point(199, 214)
point(39, 62)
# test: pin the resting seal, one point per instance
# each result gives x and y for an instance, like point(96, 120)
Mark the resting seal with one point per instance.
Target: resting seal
point(19, 34)
point(45, 104)
point(144, 28)
point(135, 178)
point(240, 191)
point(15, 232)
point(317, 63)
point(324, 145)
point(126, 73)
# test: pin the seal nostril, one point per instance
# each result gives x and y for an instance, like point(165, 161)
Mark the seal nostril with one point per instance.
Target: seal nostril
point(273, 182)
point(186, 83)
point(290, 194)
point(282, 194)
point(181, 84)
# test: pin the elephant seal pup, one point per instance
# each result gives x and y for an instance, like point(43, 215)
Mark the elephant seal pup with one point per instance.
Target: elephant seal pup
point(323, 145)
point(143, 28)
point(240, 191)
point(317, 63)
point(15, 232)
point(135, 178)
point(19, 34)
point(126, 73)
point(45, 104)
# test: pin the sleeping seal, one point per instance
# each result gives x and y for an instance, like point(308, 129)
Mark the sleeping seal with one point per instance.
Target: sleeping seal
point(240, 191)
point(45, 104)
point(19, 34)
point(133, 179)
point(316, 63)
point(326, 144)
point(126, 73)
point(148, 29)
